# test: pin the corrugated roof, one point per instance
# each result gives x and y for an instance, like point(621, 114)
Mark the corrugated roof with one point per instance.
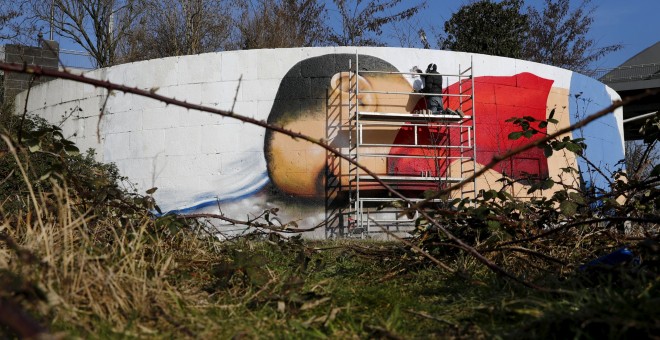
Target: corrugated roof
point(642, 71)
point(648, 56)
point(635, 75)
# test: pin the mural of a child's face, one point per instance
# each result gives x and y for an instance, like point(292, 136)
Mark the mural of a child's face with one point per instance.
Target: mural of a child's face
point(298, 167)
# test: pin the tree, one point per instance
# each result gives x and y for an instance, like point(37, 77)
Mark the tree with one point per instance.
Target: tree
point(641, 158)
point(7, 16)
point(98, 26)
point(178, 27)
point(487, 27)
point(362, 22)
point(14, 24)
point(282, 23)
point(557, 36)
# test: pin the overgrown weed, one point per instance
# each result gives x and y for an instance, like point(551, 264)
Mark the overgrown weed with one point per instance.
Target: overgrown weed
point(81, 256)
point(130, 276)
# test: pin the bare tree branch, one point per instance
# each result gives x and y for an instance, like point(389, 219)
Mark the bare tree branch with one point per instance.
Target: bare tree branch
point(460, 243)
point(536, 143)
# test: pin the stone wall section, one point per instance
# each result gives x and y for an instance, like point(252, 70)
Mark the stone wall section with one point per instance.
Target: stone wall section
point(11, 83)
point(204, 161)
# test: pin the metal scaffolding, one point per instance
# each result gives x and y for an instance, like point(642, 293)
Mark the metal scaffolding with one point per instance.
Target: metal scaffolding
point(441, 147)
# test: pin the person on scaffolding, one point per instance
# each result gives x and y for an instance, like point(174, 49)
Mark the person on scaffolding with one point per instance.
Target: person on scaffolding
point(433, 85)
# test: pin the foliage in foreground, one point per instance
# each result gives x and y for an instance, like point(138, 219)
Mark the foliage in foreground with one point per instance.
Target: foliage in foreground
point(144, 281)
point(84, 258)
point(133, 275)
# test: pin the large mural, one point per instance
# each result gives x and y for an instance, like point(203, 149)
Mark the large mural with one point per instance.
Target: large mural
point(202, 162)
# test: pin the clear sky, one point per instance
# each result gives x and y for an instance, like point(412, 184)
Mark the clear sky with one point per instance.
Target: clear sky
point(633, 23)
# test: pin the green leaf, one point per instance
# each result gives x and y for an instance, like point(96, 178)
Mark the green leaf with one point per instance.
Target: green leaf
point(34, 145)
point(572, 147)
point(547, 184)
point(151, 191)
point(429, 193)
point(553, 121)
point(547, 150)
point(558, 145)
point(552, 115)
point(568, 208)
point(463, 203)
point(506, 195)
point(576, 197)
point(481, 212)
point(493, 226)
point(515, 135)
point(71, 149)
point(543, 124)
point(453, 202)
point(534, 187)
point(529, 118)
point(529, 133)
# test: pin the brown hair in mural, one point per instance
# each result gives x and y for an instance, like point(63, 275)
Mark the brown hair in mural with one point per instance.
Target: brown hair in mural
point(313, 99)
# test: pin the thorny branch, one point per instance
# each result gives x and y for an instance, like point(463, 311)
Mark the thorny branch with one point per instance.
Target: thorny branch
point(20, 126)
point(416, 248)
point(578, 223)
point(36, 70)
point(498, 158)
point(254, 223)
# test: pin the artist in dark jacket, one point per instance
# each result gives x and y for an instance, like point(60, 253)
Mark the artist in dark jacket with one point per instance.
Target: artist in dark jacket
point(433, 84)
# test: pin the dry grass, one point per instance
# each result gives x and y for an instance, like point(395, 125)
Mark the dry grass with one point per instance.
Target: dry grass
point(117, 270)
point(114, 270)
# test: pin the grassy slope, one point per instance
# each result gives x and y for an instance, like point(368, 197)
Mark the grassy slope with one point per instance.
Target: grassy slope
point(112, 271)
point(358, 290)
point(373, 290)
point(138, 280)
point(86, 259)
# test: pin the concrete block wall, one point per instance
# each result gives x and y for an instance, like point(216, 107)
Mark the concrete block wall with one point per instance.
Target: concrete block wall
point(13, 83)
point(205, 162)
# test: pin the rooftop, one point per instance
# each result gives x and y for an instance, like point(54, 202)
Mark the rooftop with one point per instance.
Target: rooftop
point(634, 76)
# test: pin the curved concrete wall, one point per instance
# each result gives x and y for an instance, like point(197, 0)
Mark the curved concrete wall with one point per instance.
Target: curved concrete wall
point(201, 161)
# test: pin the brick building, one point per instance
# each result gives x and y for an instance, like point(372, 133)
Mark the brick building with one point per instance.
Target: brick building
point(46, 55)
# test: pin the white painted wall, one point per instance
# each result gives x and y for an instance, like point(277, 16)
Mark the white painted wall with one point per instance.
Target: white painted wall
point(194, 157)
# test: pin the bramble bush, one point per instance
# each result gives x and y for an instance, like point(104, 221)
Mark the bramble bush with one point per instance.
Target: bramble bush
point(76, 245)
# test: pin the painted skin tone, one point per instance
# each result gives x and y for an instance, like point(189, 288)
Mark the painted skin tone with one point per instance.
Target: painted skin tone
point(298, 167)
